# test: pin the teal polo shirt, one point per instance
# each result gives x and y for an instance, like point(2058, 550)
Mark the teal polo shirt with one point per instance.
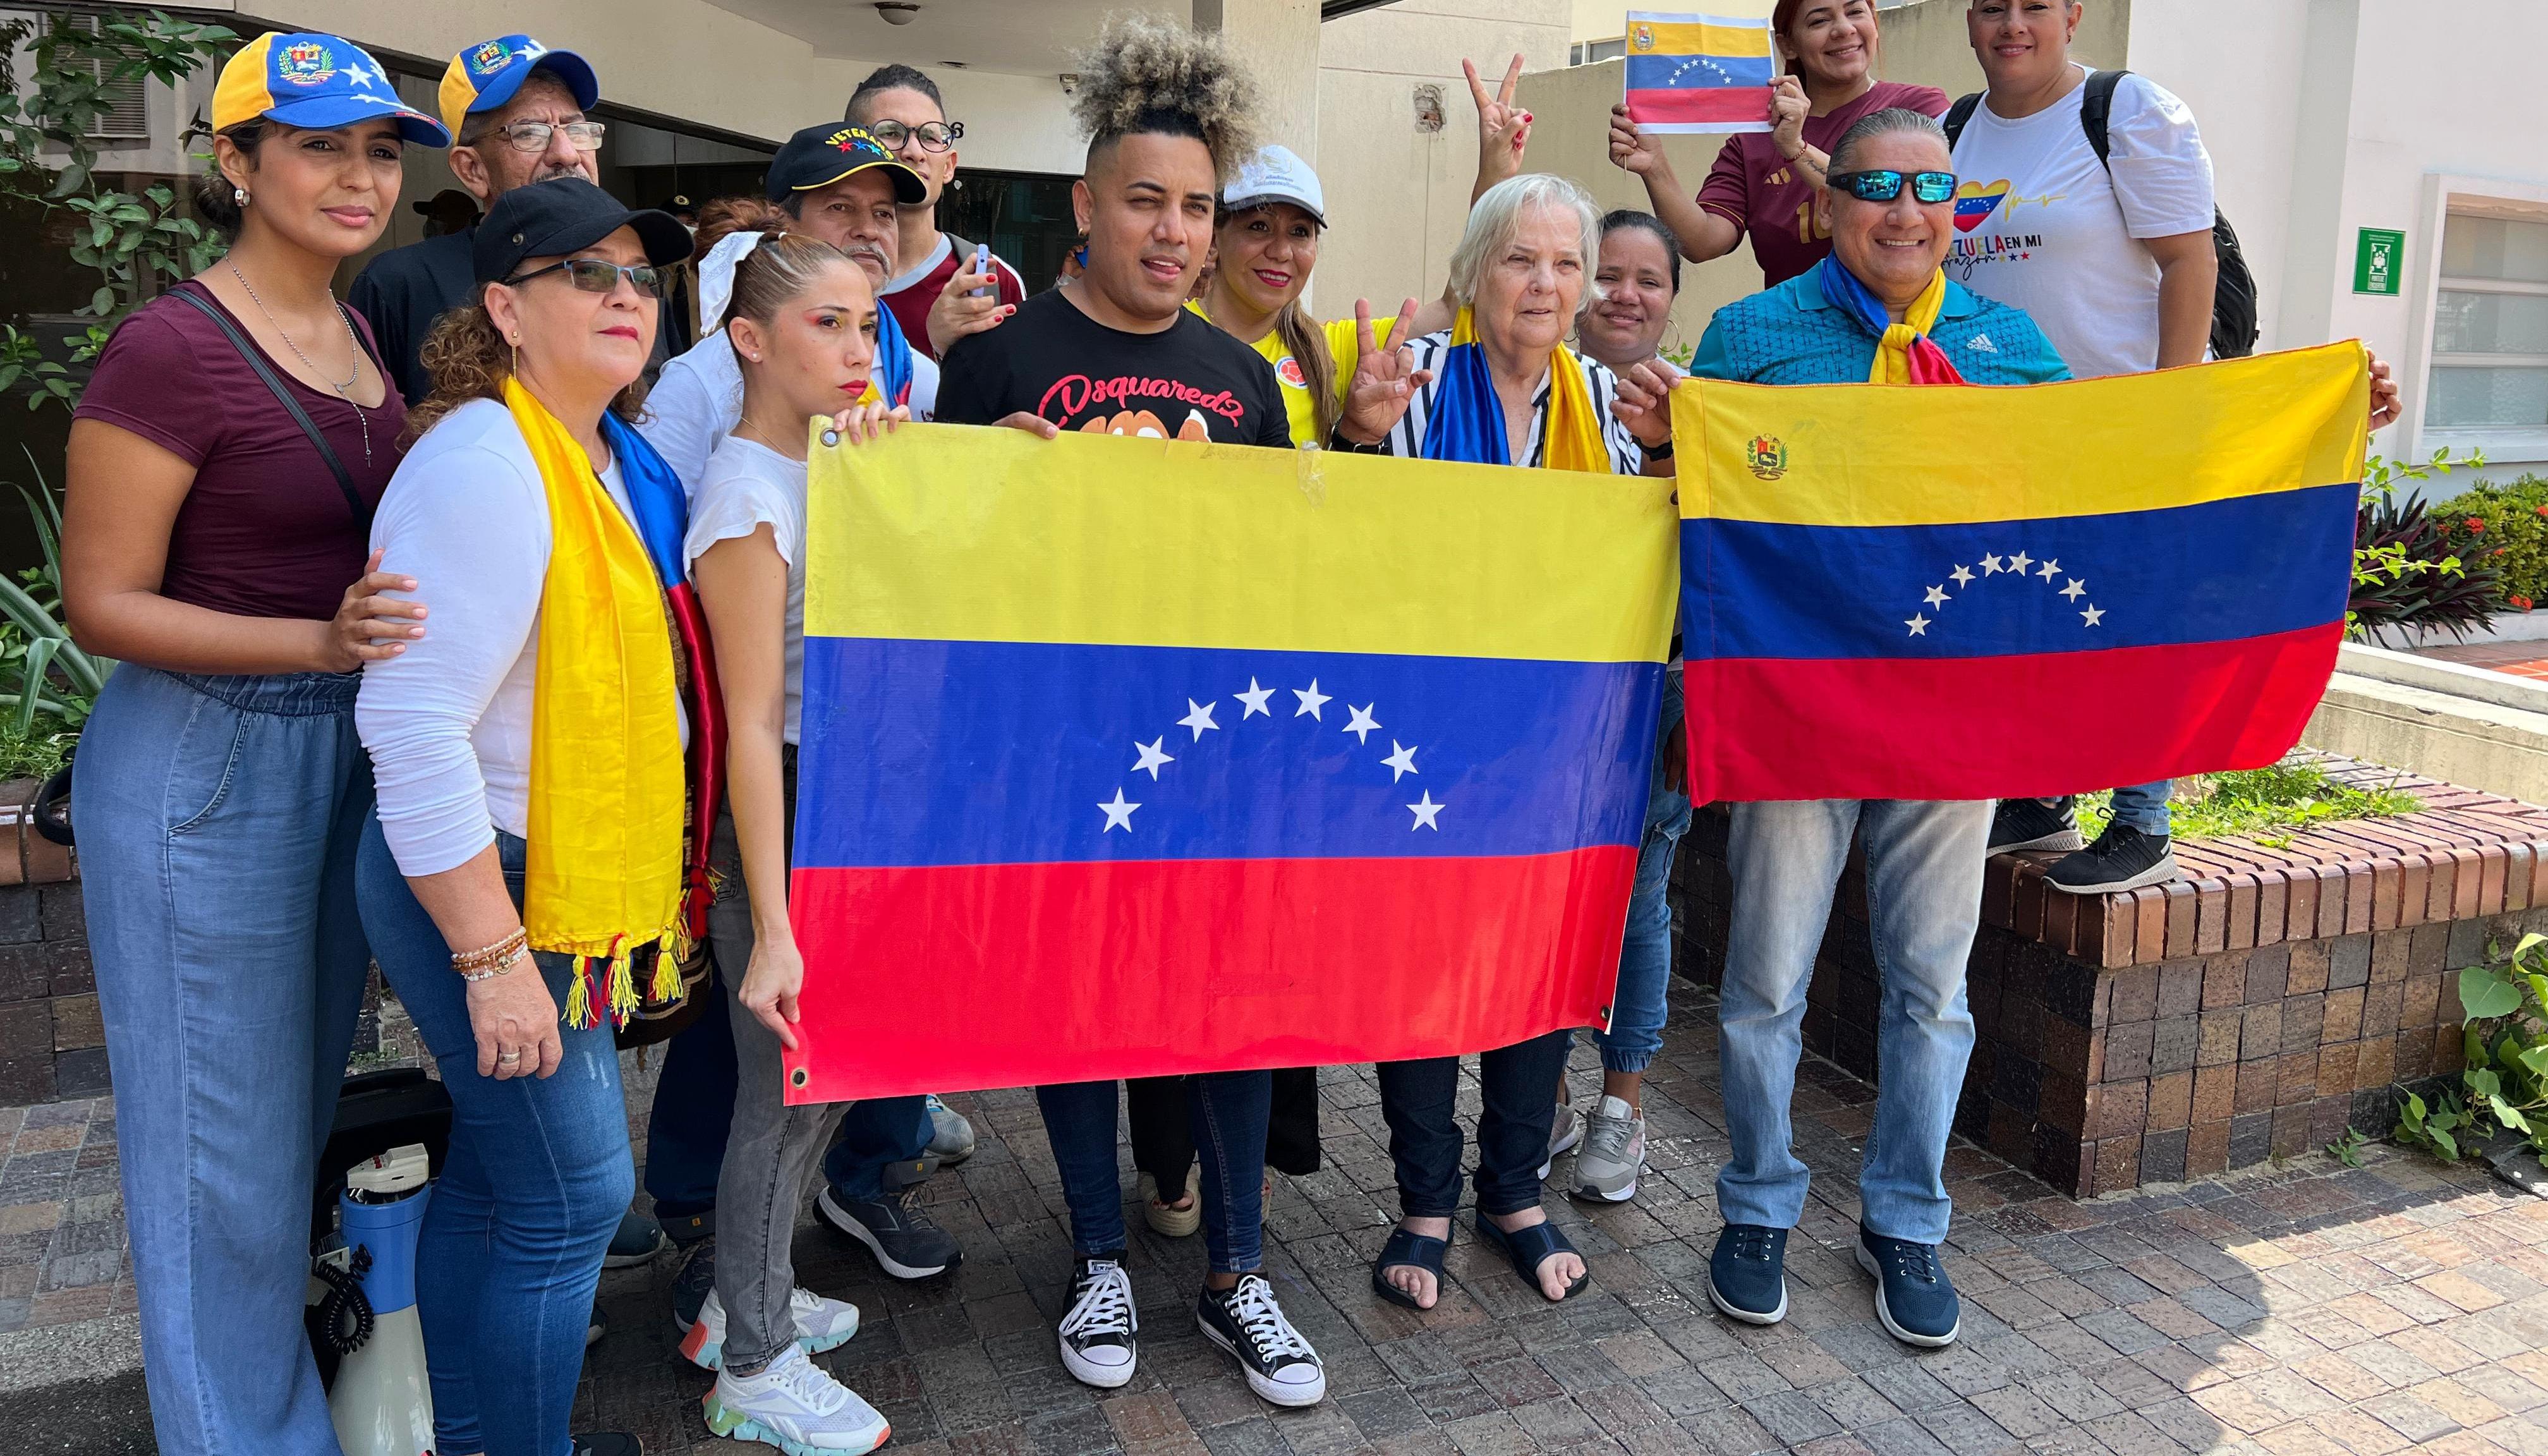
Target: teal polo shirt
point(1792, 334)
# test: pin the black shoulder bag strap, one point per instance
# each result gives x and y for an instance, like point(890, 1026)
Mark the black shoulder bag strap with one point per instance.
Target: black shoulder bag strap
point(257, 360)
point(2097, 109)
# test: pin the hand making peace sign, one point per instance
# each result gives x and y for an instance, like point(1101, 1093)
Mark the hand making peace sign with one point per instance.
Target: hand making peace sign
point(1385, 377)
point(1504, 127)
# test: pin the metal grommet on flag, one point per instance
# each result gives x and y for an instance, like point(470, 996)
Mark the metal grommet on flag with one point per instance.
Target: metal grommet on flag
point(797, 1078)
point(831, 437)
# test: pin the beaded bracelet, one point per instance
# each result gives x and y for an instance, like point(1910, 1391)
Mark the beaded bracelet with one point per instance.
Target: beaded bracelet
point(491, 960)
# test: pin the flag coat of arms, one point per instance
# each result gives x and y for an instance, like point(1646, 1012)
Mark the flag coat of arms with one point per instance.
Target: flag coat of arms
point(1896, 591)
point(1138, 757)
point(1702, 72)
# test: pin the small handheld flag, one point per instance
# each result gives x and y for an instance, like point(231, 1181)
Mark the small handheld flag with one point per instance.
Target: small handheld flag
point(1702, 72)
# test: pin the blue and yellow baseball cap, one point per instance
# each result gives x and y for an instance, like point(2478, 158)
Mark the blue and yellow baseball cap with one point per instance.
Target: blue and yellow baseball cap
point(488, 74)
point(301, 79)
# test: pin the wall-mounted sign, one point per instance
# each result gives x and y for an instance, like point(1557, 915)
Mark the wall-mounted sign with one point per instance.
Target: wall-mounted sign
point(2379, 256)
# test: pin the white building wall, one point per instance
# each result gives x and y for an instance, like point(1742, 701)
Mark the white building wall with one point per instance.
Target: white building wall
point(2325, 117)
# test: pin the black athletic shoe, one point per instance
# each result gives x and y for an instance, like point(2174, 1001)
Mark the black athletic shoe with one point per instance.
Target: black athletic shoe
point(2122, 859)
point(895, 1231)
point(690, 1287)
point(1245, 1320)
point(2032, 824)
point(608, 1443)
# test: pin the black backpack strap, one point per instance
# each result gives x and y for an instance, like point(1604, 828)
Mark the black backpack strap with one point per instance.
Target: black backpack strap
point(1958, 117)
point(2097, 110)
point(257, 360)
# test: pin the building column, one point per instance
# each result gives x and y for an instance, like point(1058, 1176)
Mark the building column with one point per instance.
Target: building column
point(1279, 41)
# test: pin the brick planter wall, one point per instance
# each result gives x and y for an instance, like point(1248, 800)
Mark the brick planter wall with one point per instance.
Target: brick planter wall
point(2252, 1011)
point(52, 1044)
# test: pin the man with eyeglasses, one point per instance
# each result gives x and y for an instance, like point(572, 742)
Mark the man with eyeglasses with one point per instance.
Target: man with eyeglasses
point(902, 109)
point(517, 114)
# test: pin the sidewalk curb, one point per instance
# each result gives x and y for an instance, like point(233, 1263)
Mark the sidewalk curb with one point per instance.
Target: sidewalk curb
point(65, 1354)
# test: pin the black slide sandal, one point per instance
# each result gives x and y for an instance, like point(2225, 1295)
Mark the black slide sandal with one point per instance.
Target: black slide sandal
point(1530, 1247)
point(1414, 1251)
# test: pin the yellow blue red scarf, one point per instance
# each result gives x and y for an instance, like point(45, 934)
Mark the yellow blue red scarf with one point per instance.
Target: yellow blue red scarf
point(1467, 422)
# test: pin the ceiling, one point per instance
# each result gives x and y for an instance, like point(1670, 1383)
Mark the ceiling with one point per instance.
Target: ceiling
point(1032, 37)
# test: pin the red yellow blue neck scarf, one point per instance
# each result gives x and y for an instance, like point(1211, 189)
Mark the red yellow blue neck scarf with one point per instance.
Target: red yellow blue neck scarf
point(1904, 352)
point(1467, 422)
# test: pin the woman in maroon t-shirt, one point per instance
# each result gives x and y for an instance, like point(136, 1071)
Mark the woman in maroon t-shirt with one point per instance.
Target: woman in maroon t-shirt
point(221, 788)
point(1765, 183)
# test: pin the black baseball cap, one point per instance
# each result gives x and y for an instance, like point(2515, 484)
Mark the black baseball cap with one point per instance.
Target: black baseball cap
point(821, 156)
point(547, 220)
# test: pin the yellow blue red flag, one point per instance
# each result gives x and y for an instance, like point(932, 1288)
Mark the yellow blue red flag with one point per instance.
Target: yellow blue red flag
point(1129, 757)
point(1709, 71)
point(1895, 592)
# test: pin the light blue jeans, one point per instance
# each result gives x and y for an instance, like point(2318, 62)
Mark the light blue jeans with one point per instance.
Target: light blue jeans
point(1638, 1004)
point(1924, 890)
point(536, 1180)
point(2143, 807)
point(217, 818)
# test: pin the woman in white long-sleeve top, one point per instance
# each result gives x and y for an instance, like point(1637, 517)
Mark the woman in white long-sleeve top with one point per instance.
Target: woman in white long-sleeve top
point(527, 850)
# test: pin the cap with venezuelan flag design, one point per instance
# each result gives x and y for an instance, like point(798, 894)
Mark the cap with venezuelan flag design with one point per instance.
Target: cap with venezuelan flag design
point(488, 74)
point(303, 79)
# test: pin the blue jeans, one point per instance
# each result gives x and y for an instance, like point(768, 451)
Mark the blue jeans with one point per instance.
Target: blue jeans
point(534, 1185)
point(2143, 807)
point(1418, 1100)
point(1924, 889)
point(1229, 1111)
point(218, 819)
point(1638, 1004)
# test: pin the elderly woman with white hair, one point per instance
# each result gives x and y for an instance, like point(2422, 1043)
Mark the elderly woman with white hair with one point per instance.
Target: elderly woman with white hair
point(1501, 386)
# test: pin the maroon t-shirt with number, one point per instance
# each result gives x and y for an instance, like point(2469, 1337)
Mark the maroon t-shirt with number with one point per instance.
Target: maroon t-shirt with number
point(1759, 191)
point(265, 530)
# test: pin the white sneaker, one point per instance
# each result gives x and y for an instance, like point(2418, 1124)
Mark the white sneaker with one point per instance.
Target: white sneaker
point(795, 1405)
point(821, 1324)
point(1614, 1152)
point(1563, 1134)
point(1097, 1335)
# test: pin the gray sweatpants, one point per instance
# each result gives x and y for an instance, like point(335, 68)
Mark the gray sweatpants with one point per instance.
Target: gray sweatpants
point(774, 1151)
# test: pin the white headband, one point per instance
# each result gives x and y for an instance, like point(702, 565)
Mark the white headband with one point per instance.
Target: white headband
point(716, 273)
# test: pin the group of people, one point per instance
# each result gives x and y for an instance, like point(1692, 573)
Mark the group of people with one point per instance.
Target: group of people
point(446, 644)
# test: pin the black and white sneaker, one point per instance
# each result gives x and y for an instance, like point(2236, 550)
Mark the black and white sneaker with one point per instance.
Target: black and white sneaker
point(1097, 1335)
point(1245, 1320)
point(2032, 824)
point(2122, 859)
point(896, 1232)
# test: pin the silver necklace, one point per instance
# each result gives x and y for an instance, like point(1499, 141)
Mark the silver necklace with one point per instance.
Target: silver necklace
point(344, 390)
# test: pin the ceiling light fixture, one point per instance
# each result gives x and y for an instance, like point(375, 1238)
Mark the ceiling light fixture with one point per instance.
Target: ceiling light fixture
point(897, 12)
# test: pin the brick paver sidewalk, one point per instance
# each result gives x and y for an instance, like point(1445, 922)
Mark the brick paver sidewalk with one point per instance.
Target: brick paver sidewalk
point(2311, 1308)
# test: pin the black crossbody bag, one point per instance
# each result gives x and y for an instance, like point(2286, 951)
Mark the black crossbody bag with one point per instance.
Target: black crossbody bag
point(264, 368)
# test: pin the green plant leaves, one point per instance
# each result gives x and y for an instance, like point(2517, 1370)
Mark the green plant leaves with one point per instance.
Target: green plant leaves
point(2486, 993)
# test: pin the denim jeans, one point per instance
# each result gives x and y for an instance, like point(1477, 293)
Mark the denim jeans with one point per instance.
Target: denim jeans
point(1924, 889)
point(1228, 1112)
point(1637, 1005)
point(1159, 1116)
point(2143, 807)
point(1418, 1100)
point(217, 818)
point(536, 1180)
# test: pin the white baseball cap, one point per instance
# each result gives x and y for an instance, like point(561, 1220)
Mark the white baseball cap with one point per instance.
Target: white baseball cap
point(1276, 174)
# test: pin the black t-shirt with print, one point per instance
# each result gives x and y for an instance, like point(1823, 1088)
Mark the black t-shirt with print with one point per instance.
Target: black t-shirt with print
point(1190, 380)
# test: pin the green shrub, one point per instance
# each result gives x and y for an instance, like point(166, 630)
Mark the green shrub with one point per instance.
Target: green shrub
point(2503, 527)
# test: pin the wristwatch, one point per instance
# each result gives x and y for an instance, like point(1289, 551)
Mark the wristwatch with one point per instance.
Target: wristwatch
point(1336, 441)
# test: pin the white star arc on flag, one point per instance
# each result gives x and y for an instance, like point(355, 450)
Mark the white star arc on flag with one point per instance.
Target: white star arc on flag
point(2016, 564)
point(1363, 721)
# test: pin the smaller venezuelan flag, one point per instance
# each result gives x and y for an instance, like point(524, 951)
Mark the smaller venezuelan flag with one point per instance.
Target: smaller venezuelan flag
point(1702, 72)
point(1898, 593)
point(1134, 756)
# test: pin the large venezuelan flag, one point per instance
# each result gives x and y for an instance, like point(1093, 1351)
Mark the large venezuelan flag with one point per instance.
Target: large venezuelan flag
point(1703, 72)
point(1129, 757)
point(1894, 592)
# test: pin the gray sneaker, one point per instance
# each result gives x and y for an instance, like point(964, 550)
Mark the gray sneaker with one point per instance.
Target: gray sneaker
point(950, 1133)
point(1614, 1152)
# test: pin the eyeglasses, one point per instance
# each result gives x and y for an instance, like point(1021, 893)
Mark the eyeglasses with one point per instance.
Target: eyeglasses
point(1926, 187)
point(934, 136)
point(534, 135)
point(593, 275)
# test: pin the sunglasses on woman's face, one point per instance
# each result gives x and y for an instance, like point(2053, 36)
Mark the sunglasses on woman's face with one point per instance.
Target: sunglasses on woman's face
point(1885, 186)
point(593, 275)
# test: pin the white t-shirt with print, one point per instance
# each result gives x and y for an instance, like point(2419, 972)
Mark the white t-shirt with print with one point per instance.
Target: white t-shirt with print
point(745, 484)
point(2062, 234)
